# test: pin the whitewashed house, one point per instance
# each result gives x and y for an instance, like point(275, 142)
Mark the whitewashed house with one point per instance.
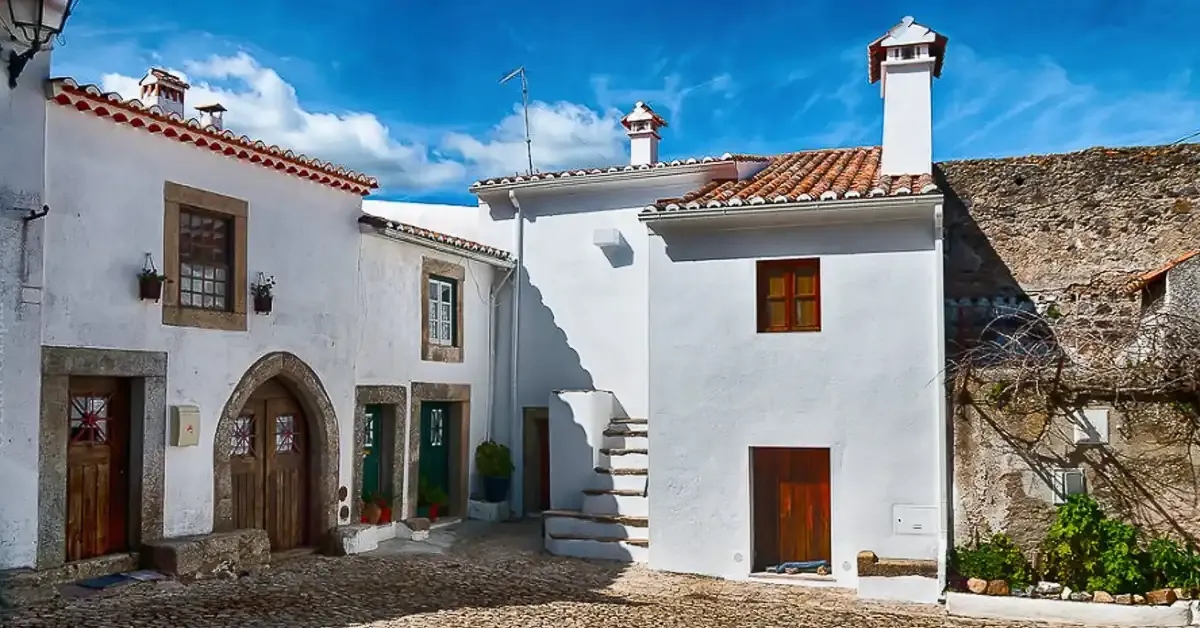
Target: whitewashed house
point(771, 324)
point(169, 422)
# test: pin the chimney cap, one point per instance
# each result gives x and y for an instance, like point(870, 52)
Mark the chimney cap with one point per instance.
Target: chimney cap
point(159, 75)
point(213, 108)
point(641, 113)
point(907, 32)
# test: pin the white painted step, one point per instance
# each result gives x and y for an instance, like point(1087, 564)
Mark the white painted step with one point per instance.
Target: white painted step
point(636, 505)
point(579, 524)
point(636, 551)
point(626, 458)
point(620, 479)
point(627, 437)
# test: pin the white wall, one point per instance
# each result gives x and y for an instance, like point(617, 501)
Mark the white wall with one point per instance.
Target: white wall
point(865, 386)
point(22, 155)
point(105, 183)
point(388, 347)
point(907, 117)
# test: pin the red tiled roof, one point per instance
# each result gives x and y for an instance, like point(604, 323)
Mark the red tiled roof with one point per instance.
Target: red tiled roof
point(1145, 279)
point(612, 170)
point(379, 222)
point(831, 174)
point(67, 92)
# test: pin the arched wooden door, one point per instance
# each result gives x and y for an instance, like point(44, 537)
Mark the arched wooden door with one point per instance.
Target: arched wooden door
point(269, 466)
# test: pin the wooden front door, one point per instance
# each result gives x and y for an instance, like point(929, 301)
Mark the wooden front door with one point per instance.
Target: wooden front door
point(435, 445)
point(97, 467)
point(372, 454)
point(269, 467)
point(791, 502)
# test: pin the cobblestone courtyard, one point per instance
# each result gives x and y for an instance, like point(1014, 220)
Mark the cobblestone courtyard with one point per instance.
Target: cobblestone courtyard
point(493, 577)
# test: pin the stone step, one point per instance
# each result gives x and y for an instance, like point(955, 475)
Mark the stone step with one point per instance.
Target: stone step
point(636, 522)
point(627, 421)
point(620, 439)
point(632, 431)
point(614, 491)
point(602, 548)
point(626, 458)
point(623, 505)
point(593, 527)
point(622, 480)
point(612, 471)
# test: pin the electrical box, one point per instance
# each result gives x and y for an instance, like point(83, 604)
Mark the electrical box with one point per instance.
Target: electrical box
point(1091, 425)
point(607, 238)
point(185, 426)
point(1068, 482)
point(908, 519)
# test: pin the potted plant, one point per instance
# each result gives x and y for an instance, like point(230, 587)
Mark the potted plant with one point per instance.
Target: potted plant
point(493, 462)
point(384, 501)
point(263, 293)
point(150, 283)
point(370, 510)
point(429, 499)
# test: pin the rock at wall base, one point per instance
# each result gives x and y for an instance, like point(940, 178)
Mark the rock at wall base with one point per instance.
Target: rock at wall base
point(977, 586)
point(997, 587)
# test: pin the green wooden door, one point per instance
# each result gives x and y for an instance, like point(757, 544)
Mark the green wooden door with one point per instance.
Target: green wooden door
point(372, 454)
point(435, 444)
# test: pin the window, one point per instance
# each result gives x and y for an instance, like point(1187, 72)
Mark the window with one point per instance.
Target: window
point(1068, 482)
point(89, 420)
point(442, 297)
point(442, 327)
point(789, 295)
point(204, 257)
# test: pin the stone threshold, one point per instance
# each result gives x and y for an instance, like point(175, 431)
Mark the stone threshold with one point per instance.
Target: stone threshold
point(1089, 613)
point(805, 579)
point(21, 587)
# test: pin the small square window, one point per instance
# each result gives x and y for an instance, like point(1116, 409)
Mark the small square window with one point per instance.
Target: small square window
point(443, 294)
point(1068, 482)
point(789, 295)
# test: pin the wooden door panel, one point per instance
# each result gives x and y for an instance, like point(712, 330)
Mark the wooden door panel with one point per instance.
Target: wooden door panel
point(791, 505)
point(97, 467)
point(246, 463)
point(286, 475)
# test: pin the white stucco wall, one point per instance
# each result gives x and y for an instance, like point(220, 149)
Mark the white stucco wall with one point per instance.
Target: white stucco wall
point(907, 117)
point(105, 183)
point(22, 154)
point(865, 386)
point(388, 346)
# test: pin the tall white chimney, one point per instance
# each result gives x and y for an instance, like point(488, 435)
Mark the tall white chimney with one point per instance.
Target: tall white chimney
point(212, 116)
point(165, 90)
point(905, 61)
point(642, 125)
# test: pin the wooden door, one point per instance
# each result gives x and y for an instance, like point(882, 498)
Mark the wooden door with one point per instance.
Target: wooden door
point(791, 505)
point(372, 454)
point(536, 460)
point(97, 466)
point(435, 445)
point(269, 467)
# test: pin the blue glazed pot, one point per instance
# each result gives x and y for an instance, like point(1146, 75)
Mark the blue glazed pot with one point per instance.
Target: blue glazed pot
point(495, 490)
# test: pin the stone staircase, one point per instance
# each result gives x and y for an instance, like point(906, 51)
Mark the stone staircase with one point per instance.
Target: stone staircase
point(614, 521)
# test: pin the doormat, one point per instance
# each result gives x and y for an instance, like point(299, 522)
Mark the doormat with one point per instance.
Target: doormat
point(104, 582)
point(145, 575)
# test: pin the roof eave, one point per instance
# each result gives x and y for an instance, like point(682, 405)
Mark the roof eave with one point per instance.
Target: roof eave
point(396, 234)
point(784, 214)
point(606, 178)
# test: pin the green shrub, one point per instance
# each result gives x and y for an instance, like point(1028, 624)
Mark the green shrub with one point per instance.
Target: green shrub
point(1172, 565)
point(1087, 551)
point(998, 558)
point(493, 460)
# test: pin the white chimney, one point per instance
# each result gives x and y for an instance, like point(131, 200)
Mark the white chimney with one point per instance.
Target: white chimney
point(212, 116)
point(642, 125)
point(165, 90)
point(905, 61)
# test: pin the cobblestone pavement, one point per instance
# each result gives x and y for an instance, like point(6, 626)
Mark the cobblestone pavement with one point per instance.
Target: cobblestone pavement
point(494, 579)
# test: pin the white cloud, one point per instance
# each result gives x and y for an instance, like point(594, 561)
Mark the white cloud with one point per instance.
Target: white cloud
point(262, 105)
point(565, 135)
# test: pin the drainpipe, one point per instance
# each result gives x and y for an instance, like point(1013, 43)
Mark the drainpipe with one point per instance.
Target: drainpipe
point(518, 431)
point(943, 449)
point(493, 336)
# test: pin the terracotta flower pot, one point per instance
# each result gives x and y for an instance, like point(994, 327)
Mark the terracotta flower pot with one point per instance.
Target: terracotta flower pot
point(371, 512)
point(385, 514)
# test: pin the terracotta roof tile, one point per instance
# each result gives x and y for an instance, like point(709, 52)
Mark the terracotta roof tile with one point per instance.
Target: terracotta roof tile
point(379, 222)
point(67, 92)
point(831, 174)
point(1141, 281)
point(610, 170)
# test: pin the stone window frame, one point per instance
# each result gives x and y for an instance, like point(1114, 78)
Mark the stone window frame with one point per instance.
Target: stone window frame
point(237, 210)
point(148, 439)
point(431, 268)
point(395, 398)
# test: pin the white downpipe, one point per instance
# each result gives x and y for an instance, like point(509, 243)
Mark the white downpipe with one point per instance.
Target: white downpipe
point(943, 475)
point(493, 337)
point(518, 431)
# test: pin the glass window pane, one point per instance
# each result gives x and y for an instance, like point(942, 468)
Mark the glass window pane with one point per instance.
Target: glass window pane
point(806, 312)
point(445, 292)
point(777, 284)
point(433, 330)
point(446, 332)
point(806, 282)
point(445, 311)
point(777, 313)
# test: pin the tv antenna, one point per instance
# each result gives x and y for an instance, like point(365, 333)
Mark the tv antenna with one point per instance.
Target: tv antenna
point(525, 106)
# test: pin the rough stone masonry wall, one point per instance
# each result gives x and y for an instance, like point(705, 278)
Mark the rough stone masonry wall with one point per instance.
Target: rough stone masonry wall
point(1070, 229)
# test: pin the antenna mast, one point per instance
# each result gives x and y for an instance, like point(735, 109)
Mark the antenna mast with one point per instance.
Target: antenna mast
point(525, 106)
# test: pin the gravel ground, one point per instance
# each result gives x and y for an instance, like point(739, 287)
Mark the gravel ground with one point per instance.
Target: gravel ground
point(496, 578)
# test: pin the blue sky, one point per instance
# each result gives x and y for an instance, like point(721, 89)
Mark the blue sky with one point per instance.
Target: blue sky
point(408, 91)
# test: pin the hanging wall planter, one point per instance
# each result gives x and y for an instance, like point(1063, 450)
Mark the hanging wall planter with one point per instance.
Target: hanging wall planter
point(263, 293)
point(150, 281)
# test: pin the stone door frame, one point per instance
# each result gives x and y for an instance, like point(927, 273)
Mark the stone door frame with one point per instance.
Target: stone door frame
point(147, 441)
point(323, 458)
point(459, 396)
point(396, 399)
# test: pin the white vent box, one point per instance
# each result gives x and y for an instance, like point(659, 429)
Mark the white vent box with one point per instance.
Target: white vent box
point(185, 426)
point(607, 238)
point(907, 519)
point(1068, 482)
point(1091, 425)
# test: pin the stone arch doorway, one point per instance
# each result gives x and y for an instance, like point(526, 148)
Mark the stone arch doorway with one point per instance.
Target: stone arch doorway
point(292, 436)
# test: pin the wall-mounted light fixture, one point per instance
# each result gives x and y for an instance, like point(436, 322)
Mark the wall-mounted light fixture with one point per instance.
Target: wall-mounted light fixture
point(32, 26)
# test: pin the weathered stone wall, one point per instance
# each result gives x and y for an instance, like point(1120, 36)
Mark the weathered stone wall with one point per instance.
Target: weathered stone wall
point(1071, 229)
